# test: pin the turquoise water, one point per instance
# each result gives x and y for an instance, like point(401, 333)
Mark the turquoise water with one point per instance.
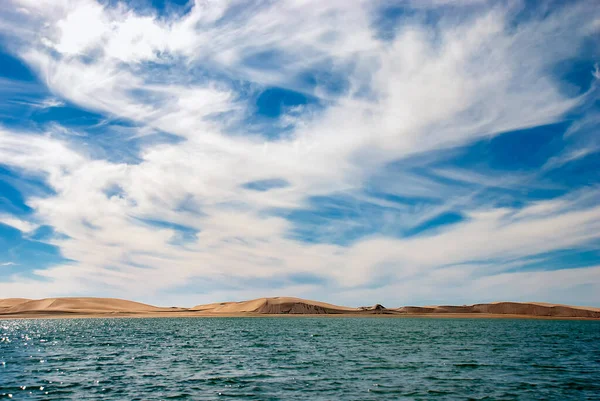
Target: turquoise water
point(299, 359)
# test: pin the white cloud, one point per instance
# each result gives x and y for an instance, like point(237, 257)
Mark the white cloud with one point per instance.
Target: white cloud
point(21, 225)
point(81, 28)
point(36, 153)
point(424, 91)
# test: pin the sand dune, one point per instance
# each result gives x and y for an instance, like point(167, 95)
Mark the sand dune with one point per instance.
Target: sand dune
point(10, 302)
point(78, 305)
point(508, 308)
point(535, 309)
point(65, 307)
point(276, 305)
point(570, 306)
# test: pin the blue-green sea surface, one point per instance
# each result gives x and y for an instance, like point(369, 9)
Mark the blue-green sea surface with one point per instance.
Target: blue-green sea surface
point(299, 359)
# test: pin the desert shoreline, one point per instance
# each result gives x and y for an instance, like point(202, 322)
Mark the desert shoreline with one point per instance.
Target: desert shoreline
point(284, 316)
point(86, 307)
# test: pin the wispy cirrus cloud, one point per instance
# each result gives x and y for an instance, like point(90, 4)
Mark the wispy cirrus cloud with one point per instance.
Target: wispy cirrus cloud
point(395, 157)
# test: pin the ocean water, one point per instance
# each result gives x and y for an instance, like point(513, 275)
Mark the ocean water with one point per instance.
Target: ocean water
point(299, 359)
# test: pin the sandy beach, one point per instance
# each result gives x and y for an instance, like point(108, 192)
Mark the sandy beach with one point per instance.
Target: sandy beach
point(19, 308)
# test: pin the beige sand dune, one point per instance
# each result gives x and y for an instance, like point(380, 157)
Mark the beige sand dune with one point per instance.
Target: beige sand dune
point(570, 306)
point(80, 305)
point(276, 305)
point(10, 302)
point(537, 309)
point(280, 306)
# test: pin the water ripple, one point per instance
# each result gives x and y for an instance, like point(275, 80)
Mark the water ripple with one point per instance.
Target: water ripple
point(299, 359)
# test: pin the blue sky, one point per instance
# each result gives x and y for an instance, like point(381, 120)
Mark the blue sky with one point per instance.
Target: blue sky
point(356, 152)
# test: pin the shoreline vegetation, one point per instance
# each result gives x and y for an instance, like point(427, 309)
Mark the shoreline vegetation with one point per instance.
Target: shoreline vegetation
point(21, 308)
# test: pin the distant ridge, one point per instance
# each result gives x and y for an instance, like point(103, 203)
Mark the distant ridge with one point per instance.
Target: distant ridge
point(106, 307)
point(508, 308)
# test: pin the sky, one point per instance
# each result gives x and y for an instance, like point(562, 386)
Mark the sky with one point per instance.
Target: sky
point(352, 151)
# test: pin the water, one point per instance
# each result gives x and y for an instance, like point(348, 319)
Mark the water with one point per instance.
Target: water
point(299, 359)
